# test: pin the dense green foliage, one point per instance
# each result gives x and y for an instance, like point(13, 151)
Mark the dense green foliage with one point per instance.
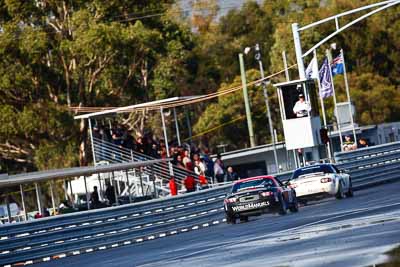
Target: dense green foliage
point(55, 54)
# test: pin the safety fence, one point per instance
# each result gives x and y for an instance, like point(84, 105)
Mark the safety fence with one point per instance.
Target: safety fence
point(95, 230)
point(108, 152)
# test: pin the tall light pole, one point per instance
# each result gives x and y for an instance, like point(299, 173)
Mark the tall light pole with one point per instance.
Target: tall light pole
point(264, 83)
point(246, 102)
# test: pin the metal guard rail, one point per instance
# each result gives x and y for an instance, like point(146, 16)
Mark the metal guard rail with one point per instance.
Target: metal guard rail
point(368, 167)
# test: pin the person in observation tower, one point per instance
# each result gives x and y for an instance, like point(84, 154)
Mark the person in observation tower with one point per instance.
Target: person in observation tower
point(301, 108)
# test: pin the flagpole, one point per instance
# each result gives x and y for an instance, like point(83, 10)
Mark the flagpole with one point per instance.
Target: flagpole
point(322, 103)
point(329, 56)
point(348, 97)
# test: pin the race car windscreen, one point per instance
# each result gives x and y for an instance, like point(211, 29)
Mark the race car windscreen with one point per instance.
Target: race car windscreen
point(253, 184)
point(311, 170)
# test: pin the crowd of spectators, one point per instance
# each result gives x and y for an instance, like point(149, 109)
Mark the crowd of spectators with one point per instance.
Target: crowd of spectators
point(197, 162)
point(349, 144)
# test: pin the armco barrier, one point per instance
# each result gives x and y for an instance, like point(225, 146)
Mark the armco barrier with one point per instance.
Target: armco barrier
point(367, 152)
point(89, 231)
point(371, 165)
point(49, 236)
point(99, 228)
point(106, 213)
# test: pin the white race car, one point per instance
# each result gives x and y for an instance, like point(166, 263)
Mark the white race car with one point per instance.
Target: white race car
point(321, 180)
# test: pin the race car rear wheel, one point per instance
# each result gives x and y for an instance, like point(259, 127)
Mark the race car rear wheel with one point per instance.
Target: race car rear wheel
point(230, 219)
point(350, 192)
point(295, 205)
point(283, 206)
point(340, 193)
point(244, 218)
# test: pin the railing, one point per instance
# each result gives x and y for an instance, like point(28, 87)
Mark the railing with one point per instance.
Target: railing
point(371, 165)
point(84, 232)
point(109, 152)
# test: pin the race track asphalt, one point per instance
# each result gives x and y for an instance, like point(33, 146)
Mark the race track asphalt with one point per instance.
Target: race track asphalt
point(350, 232)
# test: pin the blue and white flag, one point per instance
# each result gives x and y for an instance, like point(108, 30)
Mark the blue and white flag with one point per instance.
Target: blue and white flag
point(326, 89)
point(338, 65)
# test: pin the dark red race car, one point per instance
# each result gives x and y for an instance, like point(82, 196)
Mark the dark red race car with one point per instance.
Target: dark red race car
point(257, 195)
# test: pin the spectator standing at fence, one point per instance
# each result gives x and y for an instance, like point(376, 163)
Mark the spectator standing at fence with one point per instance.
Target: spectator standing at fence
point(208, 163)
point(173, 187)
point(94, 199)
point(128, 141)
point(348, 144)
point(140, 145)
point(189, 182)
point(231, 174)
point(154, 152)
point(200, 169)
point(219, 169)
point(362, 143)
point(199, 166)
point(110, 194)
point(186, 157)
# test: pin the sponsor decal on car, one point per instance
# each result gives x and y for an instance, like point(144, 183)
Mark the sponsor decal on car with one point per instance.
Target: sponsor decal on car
point(250, 206)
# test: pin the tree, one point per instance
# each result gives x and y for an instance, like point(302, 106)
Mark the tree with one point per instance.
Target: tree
point(56, 54)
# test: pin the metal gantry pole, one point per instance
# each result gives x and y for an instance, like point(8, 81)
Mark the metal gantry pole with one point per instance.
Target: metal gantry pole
point(246, 101)
point(38, 198)
point(154, 181)
point(128, 186)
point(21, 188)
point(264, 86)
point(91, 141)
point(171, 170)
point(87, 194)
point(285, 66)
point(299, 53)
point(178, 136)
point(8, 207)
point(348, 96)
point(101, 187)
point(53, 202)
point(115, 189)
point(141, 182)
point(65, 185)
point(72, 194)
